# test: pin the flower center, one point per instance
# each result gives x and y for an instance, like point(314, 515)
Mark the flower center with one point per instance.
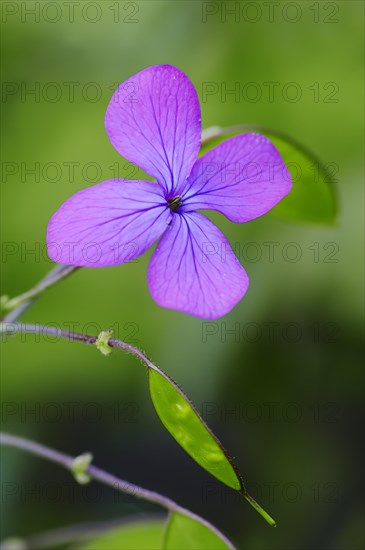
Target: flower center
point(174, 203)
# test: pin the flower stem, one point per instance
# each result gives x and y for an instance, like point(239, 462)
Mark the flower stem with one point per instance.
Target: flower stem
point(26, 328)
point(96, 473)
point(18, 305)
point(14, 328)
point(110, 480)
point(82, 532)
point(260, 510)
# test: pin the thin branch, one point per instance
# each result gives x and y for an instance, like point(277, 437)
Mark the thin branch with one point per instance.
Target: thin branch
point(26, 328)
point(80, 532)
point(14, 328)
point(18, 305)
point(110, 480)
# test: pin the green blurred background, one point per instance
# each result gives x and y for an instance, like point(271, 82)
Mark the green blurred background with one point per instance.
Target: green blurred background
point(284, 392)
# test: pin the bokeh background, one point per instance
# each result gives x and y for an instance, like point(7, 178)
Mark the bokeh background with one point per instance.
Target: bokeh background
point(284, 390)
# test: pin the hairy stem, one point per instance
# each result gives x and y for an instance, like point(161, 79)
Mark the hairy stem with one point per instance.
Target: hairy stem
point(110, 480)
point(81, 532)
point(18, 305)
point(26, 328)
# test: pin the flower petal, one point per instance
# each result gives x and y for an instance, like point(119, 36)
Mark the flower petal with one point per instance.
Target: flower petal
point(153, 120)
point(194, 269)
point(243, 178)
point(108, 224)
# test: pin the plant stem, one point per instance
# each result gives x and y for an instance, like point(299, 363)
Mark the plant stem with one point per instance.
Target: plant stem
point(258, 508)
point(96, 473)
point(81, 532)
point(26, 328)
point(107, 479)
point(14, 328)
point(18, 305)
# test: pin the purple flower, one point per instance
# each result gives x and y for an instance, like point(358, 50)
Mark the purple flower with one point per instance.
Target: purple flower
point(154, 121)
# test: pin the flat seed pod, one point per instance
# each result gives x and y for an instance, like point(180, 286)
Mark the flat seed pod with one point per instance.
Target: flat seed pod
point(187, 427)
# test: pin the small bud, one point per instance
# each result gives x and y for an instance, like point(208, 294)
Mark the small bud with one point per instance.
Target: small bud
point(102, 342)
point(79, 468)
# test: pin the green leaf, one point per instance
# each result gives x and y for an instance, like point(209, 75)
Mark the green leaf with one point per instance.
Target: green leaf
point(183, 531)
point(313, 196)
point(185, 424)
point(183, 421)
point(138, 535)
point(189, 533)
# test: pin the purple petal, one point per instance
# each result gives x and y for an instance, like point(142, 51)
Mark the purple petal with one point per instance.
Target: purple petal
point(153, 120)
point(194, 269)
point(243, 178)
point(107, 224)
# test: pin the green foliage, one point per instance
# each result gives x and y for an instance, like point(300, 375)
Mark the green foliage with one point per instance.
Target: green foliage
point(138, 535)
point(183, 421)
point(185, 424)
point(186, 533)
point(181, 532)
